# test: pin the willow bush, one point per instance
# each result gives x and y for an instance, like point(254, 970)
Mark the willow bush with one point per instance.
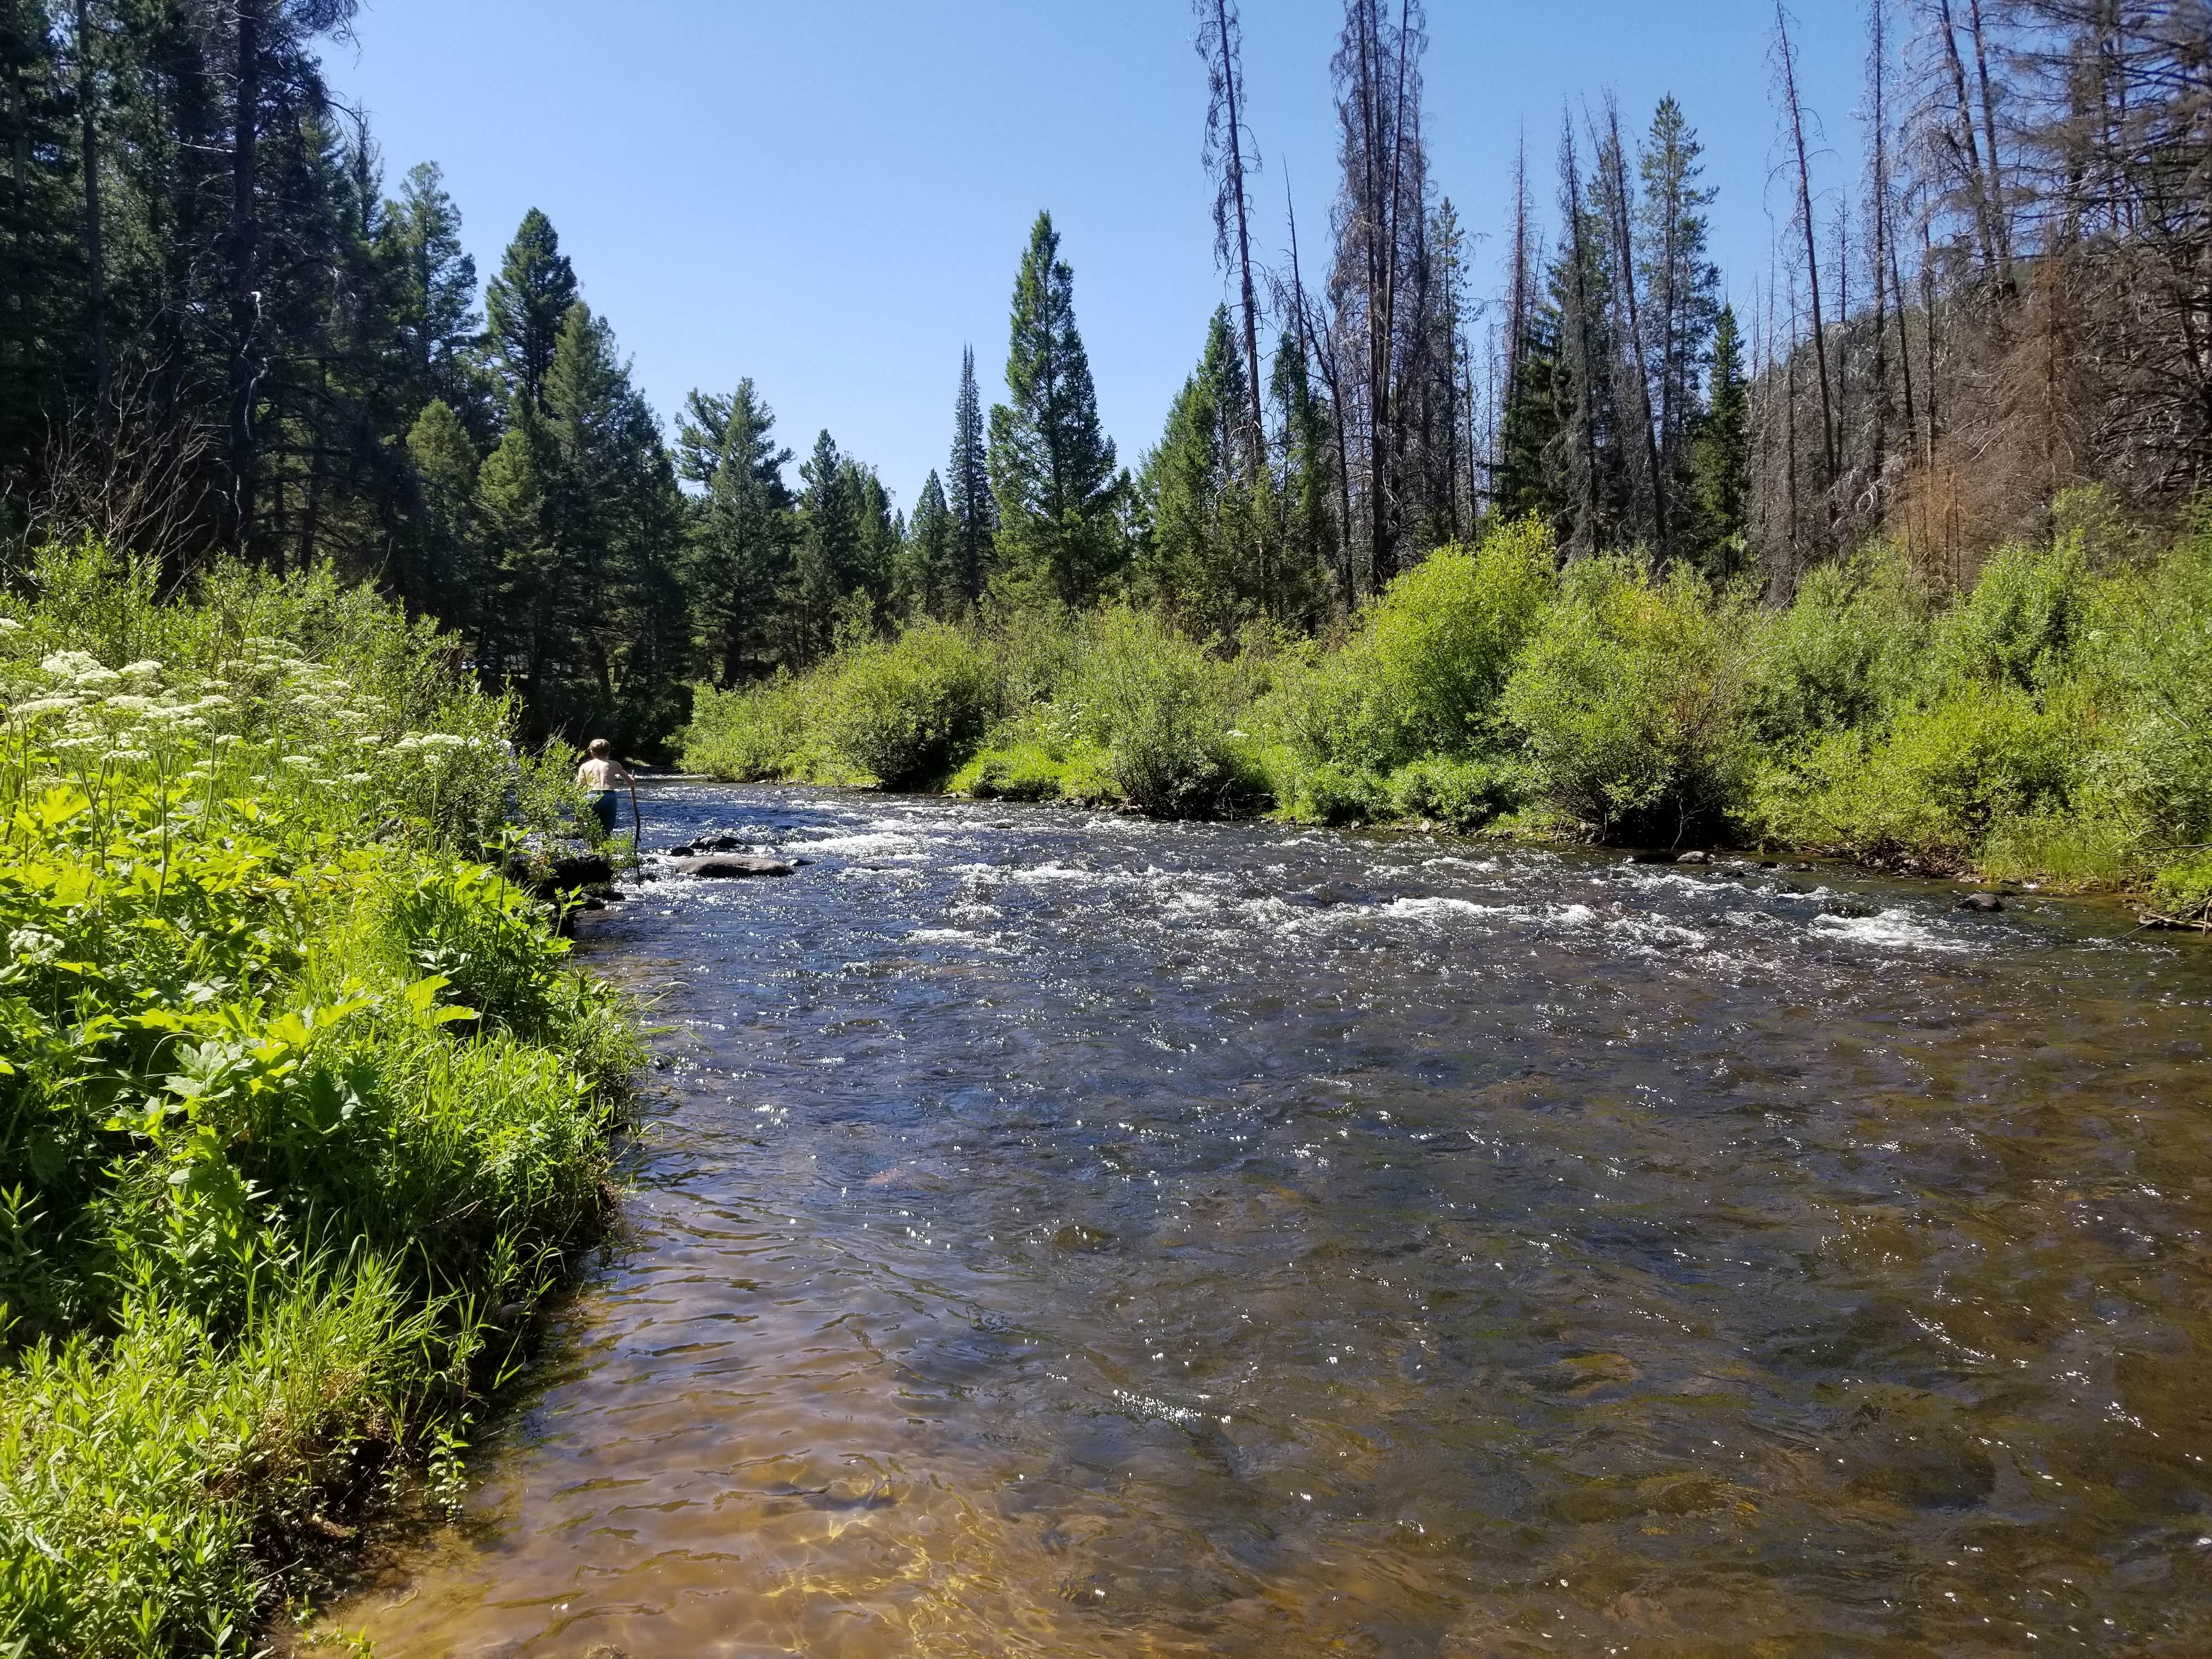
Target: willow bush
point(2053, 718)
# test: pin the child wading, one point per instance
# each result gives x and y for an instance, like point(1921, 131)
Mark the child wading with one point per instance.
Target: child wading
point(603, 775)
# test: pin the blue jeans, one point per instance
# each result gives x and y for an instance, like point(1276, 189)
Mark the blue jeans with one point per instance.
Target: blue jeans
point(603, 807)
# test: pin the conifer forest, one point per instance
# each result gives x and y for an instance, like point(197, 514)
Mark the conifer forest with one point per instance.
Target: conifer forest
point(226, 332)
point(1393, 1157)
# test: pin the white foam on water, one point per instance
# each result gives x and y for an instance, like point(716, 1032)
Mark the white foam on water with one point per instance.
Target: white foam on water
point(1436, 909)
point(865, 843)
point(1149, 1406)
point(950, 936)
point(1649, 934)
point(1893, 930)
point(1481, 866)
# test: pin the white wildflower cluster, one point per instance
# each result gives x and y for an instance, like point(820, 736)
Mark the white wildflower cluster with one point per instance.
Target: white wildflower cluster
point(34, 947)
point(272, 722)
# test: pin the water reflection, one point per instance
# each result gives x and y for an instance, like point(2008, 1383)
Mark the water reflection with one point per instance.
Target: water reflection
point(1087, 1237)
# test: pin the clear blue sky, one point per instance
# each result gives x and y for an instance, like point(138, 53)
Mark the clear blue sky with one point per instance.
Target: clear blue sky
point(831, 195)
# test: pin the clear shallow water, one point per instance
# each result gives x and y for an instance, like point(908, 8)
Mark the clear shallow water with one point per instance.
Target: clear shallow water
point(1077, 1236)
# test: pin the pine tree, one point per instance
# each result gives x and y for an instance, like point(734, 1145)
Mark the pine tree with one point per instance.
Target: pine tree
point(448, 548)
point(611, 643)
point(1198, 559)
point(1720, 457)
point(1528, 479)
point(827, 567)
point(929, 574)
point(430, 289)
point(968, 488)
point(1052, 464)
point(1683, 290)
point(527, 305)
point(1584, 464)
point(878, 532)
point(1307, 488)
point(739, 549)
point(517, 643)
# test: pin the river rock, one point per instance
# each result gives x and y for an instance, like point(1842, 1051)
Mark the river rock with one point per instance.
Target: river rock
point(1988, 903)
point(1694, 858)
point(580, 870)
point(726, 865)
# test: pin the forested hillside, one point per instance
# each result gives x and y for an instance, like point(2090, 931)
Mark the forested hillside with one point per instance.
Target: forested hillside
point(224, 330)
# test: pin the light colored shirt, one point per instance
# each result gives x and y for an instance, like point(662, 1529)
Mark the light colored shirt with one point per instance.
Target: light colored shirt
point(601, 775)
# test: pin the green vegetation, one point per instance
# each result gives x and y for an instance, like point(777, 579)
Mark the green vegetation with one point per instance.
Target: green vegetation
point(2051, 720)
point(300, 1108)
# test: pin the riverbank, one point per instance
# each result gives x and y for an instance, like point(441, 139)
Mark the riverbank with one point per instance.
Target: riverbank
point(2048, 723)
point(302, 1110)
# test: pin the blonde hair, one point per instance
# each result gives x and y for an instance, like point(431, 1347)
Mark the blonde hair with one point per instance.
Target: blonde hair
point(597, 748)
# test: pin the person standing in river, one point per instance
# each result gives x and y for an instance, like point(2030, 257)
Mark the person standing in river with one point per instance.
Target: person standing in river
point(603, 775)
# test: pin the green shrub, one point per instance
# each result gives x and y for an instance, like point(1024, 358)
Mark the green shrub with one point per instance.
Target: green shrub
point(2184, 888)
point(1463, 795)
point(908, 711)
point(2022, 623)
point(1031, 758)
point(1925, 789)
point(2154, 633)
point(1322, 792)
point(753, 732)
point(1633, 701)
point(1423, 674)
point(1161, 707)
point(1848, 643)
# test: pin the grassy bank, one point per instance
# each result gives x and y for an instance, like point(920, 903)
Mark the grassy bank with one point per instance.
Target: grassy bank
point(2054, 721)
point(300, 1108)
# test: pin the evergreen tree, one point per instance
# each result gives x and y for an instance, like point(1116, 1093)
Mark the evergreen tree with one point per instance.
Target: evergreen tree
point(739, 545)
point(449, 571)
point(929, 574)
point(1682, 288)
point(517, 646)
point(1196, 559)
point(609, 641)
point(431, 288)
point(1307, 486)
point(527, 304)
point(878, 532)
point(1052, 464)
point(1720, 457)
point(1527, 480)
point(827, 567)
point(968, 488)
point(39, 280)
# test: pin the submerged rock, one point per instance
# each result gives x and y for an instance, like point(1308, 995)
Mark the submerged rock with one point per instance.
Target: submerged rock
point(726, 865)
point(1985, 903)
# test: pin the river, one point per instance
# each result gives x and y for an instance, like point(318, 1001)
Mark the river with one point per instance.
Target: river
point(1067, 1234)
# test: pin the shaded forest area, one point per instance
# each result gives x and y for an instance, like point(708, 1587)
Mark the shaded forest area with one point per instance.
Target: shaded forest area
point(220, 337)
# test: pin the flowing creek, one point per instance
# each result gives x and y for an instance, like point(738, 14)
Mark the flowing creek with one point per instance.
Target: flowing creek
point(1074, 1235)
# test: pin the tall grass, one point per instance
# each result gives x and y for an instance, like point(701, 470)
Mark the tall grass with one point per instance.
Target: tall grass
point(2054, 719)
point(299, 1103)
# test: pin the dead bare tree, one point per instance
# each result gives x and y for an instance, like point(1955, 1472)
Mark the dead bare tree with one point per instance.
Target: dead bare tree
point(136, 472)
point(1230, 159)
point(1786, 60)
